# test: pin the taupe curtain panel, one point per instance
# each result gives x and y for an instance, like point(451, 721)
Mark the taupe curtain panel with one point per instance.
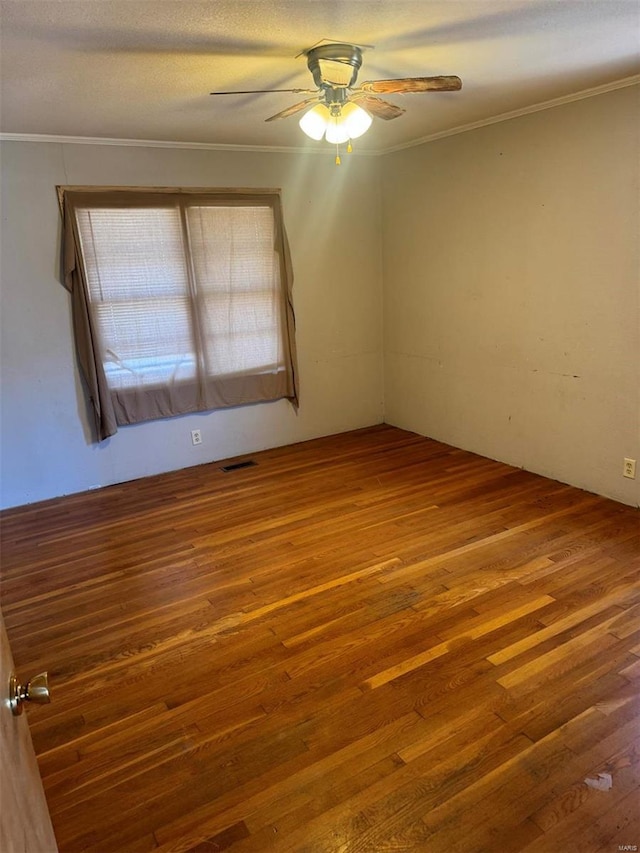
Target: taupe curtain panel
point(181, 300)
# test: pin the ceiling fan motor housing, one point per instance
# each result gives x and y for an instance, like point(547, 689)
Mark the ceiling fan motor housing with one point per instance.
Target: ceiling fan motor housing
point(334, 65)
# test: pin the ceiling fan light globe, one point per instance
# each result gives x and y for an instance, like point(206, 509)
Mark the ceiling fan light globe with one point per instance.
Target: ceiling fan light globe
point(357, 120)
point(337, 131)
point(315, 121)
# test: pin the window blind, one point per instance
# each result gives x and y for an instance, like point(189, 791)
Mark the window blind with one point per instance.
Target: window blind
point(186, 300)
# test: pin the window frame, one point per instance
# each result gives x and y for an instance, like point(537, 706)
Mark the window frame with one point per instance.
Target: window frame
point(115, 407)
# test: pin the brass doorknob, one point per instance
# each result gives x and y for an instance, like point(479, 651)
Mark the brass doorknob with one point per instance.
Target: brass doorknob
point(36, 690)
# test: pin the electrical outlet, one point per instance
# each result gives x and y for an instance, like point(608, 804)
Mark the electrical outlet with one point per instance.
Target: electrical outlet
point(196, 436)
point(629, 469)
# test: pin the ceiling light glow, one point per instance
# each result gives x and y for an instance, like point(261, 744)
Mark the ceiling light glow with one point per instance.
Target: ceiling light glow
point(350, 122)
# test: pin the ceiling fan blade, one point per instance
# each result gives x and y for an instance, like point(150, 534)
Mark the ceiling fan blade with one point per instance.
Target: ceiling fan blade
point(377, 107)
point(266, 92)
point(413, 84)
point(294, 109)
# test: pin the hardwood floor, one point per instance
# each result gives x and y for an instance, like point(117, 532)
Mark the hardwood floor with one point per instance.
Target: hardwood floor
point(368, 642)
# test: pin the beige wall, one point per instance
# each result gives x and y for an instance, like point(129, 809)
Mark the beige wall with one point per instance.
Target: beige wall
point(333, 221)
point(510, 264)
point(511, 291)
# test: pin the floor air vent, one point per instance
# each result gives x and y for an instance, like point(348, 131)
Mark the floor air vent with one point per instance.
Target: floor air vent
point(237, 465)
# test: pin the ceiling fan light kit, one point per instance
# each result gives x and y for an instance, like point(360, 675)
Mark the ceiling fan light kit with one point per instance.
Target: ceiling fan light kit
point(337, 123)
point(344, 111)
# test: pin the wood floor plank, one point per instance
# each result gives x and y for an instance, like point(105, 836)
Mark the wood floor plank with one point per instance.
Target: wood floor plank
point(365, 642)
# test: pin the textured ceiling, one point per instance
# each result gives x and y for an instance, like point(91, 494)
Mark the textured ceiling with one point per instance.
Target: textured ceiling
point(143, 69)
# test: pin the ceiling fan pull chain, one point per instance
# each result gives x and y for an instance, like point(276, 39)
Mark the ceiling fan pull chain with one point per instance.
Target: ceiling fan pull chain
point(338, 160)
point(349, 148)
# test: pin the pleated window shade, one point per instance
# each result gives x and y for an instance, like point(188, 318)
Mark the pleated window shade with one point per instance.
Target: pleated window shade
point(186, 300)
point(139, 289)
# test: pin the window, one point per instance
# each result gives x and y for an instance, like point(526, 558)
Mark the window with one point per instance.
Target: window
point(182, 300)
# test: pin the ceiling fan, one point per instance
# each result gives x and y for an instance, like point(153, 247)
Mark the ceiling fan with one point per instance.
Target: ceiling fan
point(343, 111)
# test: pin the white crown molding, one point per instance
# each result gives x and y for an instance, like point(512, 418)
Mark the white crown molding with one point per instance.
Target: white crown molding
point(523, 111)
point(145, 143)
point(163, 143)
point(214, 146)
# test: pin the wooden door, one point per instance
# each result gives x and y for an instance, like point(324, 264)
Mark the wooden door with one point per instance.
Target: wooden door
point(25, 825)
